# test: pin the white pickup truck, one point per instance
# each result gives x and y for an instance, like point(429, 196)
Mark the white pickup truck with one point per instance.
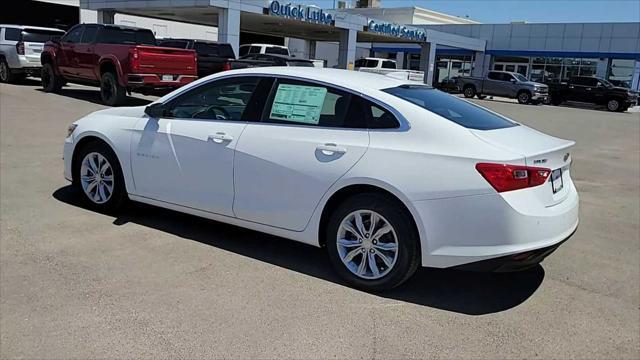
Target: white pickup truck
point(387, 67)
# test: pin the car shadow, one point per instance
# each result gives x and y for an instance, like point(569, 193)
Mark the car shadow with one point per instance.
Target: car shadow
point(93, 96)
point(452, 290)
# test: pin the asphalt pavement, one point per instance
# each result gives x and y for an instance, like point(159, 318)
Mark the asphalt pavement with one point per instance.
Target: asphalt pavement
point(152, 283)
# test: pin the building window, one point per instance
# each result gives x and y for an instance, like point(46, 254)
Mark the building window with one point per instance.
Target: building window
point(620, 72)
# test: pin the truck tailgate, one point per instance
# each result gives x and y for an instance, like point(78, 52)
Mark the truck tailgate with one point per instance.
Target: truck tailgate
point(163, 60)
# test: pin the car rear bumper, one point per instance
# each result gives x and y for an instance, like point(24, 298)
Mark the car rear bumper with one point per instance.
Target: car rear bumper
point(469, 229)
point(156, 81)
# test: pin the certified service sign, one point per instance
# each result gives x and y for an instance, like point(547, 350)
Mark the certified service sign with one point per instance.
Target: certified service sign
point(396, 30)
point(300, 12)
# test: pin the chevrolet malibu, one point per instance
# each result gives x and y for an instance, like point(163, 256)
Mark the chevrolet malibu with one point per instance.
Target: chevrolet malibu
point(386, 174)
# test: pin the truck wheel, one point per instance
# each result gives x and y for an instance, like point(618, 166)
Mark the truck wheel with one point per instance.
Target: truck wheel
point(5, 72)
point(112, 93)
point(524, 97)
point(613, 105)
point(469, 91)
point(49, 80)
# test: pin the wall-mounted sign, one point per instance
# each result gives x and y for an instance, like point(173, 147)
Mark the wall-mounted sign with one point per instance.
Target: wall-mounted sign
point(300, 12)
point(392, 29)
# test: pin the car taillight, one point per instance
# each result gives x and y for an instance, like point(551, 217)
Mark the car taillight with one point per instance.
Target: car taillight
point(504, 177)
point(135, 59)
point(226, 66)
point(20, 48)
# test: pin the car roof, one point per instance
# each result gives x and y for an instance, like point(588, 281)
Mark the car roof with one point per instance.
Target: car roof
point(280, 46)
point(30, 27)
point(375, 58)
point(354, 80)
point(285, 57)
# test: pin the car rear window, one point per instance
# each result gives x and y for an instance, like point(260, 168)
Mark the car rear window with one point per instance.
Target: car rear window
point(39, 36)
point(301, 63)
point(115, 35)
point(222, 50)
point(450, 107)
point(276, 50)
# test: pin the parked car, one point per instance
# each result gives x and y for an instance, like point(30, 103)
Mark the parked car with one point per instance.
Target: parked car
point(213, 56)
point(248, 49)
point(119, 59)
point(277, 60)
point(505, 84)
point(20, 48)
point(387, 67)
point(593, 90)
point(368, 166)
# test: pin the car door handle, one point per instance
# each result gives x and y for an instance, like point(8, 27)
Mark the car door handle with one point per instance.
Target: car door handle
point(330, 149)
point(588, 88)
point(220, 137)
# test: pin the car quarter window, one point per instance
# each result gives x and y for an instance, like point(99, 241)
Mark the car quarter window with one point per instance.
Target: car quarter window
point(12, 34)
point(380, 118)
point(306, 103)
point(224, 99)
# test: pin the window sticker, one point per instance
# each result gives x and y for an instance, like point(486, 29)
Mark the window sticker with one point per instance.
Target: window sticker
point(298, 103)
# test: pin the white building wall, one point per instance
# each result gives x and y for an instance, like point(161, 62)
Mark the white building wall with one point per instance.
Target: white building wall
point(161, 28)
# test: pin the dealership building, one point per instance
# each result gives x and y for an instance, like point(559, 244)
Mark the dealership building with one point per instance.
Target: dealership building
point(441, 45)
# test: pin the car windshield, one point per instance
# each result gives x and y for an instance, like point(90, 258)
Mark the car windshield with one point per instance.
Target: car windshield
point(450, 107)
point(521, 78)
point(39, 36)
point(606, 83)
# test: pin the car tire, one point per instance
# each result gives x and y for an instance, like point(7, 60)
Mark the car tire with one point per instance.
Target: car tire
point(395, 253)
point(614, 105)
point(6, 76)
point(111, 92)
point(481, 97)
point(97, 175)
point(524, 97)
point(469, 91)
point(51, 82)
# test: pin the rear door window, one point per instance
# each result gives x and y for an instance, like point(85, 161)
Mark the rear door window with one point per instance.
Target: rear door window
point(305, 103)
point(89, 34)
point(450, 107)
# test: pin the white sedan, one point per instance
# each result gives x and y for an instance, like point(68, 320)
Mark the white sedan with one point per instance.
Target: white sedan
point(386, 174)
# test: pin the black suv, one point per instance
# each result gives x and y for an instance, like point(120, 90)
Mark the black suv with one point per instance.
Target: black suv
point(593, 90)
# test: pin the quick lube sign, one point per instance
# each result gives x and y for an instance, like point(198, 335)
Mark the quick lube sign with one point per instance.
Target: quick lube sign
point(396, 30)
point(300, 12)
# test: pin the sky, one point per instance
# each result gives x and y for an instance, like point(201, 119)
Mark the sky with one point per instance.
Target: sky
point(534, 11)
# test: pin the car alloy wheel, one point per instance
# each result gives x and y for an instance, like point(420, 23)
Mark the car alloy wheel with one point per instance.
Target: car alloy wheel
point(367, 244)
point(613, 105)
point(523, 98)
point(108, 89)
point(469, 92)
point(97, 178)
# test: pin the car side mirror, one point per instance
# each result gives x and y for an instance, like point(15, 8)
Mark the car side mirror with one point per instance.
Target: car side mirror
point(155, 110)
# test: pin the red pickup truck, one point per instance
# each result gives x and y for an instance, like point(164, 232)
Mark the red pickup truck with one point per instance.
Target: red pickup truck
point(119, 59)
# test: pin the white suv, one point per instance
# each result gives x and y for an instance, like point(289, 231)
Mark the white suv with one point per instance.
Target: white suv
point(20, 48)
point(248, 49)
